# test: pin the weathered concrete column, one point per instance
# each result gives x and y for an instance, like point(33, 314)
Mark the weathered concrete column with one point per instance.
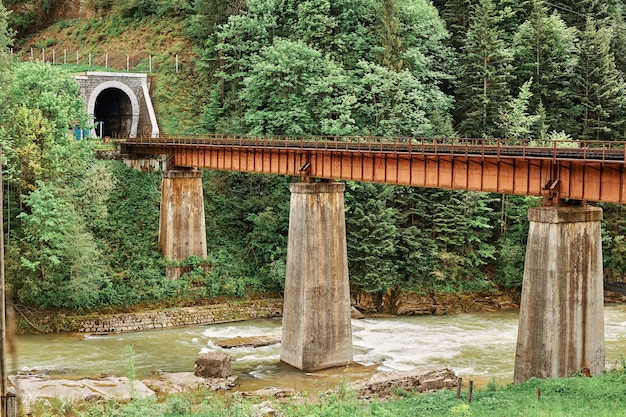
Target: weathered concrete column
point(182, 228)
point(561, 323)
point(317, 329)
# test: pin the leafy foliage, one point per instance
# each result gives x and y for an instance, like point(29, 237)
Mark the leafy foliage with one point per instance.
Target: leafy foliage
point(83, 233)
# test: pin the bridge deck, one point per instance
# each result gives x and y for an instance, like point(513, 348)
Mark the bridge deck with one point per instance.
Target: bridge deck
point(579, 170)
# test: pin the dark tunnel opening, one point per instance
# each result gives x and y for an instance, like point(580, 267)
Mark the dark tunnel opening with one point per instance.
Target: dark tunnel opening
point(113, 113)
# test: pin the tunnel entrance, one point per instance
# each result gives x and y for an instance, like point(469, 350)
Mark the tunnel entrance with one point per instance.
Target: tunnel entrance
point(113, 113)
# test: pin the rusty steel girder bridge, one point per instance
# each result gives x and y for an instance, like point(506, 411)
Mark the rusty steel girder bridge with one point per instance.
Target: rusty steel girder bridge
point(561, 317)
point(575, 170)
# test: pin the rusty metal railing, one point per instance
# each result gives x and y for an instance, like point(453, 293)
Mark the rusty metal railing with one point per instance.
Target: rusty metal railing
point(592, 151)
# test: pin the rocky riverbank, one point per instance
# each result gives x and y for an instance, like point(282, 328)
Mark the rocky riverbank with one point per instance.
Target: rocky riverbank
point(32, 388)
point(405, 303)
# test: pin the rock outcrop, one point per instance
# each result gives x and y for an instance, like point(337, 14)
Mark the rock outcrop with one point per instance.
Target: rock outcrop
point(174, 382)
point(31, 388)
point(426, 378)
point(409, 303)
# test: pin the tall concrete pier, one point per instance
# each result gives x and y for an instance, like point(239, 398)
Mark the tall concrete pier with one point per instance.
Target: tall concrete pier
point(561, 324)
point(182, 228)
point(317, 330)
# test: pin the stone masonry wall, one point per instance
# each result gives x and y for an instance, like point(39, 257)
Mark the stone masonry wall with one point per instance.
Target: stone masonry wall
point(152, 320)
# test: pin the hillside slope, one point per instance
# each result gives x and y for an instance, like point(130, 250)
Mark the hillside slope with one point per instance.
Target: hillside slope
point(78, 34)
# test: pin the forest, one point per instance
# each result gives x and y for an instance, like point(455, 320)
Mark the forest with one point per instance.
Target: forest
point(81, 233)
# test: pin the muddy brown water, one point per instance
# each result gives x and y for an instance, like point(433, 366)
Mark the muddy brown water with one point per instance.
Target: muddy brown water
point(477, 346)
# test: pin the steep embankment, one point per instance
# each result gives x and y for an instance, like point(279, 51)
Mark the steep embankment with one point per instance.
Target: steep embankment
point(152, 44)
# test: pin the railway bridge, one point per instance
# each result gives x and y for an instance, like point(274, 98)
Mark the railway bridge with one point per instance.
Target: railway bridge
point(561, 327)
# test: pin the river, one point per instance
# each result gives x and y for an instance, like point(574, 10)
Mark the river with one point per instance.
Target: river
point(476, 346)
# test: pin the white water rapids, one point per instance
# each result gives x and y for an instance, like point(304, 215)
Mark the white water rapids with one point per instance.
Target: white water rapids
point(479, 346)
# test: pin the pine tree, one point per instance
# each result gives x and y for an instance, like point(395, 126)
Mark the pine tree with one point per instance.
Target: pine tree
point(391, 56)
point(545, 52)
point(485, 72)
point(516, 123)
point(457, 13)
point(514, 13)
point(577, 12)
point(372, 236)
point(618, 40)
point(416, 250)
point(462, 225)
point(599, 85)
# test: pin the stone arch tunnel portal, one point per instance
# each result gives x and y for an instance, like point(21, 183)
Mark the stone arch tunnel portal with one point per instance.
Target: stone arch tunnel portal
point(113, 113)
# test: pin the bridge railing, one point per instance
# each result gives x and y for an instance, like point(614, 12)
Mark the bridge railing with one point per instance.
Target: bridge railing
point(528, 149)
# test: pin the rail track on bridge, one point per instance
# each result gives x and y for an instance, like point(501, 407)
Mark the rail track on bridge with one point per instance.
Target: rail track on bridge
point(596, 151)
point(579, 170)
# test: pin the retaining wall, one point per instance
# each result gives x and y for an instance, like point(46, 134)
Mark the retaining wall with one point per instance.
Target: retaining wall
point(152, 320)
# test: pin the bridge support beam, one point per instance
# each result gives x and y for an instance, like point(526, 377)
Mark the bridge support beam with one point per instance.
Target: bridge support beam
point(561, 324)
point(182, 227)
point(317, 329)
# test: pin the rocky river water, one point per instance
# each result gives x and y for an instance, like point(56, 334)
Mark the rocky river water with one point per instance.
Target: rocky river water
point(478, 346)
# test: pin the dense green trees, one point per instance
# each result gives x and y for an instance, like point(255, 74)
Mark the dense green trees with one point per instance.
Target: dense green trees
point(83, 233)
point(486, 68)
point(544, 49)
point(599, 85)
point(286, 71)
point(486, 60)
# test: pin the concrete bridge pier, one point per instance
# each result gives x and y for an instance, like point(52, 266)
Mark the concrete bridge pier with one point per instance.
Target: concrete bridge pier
point(317, 329)
point(561, 324)
point(182, 227)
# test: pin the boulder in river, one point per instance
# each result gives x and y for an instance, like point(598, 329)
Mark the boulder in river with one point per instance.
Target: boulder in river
point(356, 314)
point(212, 365)
point(426, 378)
point(252, 341)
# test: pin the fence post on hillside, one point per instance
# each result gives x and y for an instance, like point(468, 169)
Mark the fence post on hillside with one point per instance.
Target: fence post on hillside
point(54, 56)
point(106, 60)
point(177, 63)
point(64, 56)
point(127, 63)
point(31, 55)
point(89, 58)
point(43, 55)
point(150, 62)
point(77, 57)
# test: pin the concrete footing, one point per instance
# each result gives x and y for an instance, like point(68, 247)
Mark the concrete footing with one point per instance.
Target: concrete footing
point(317, 332)
point(182, 227)
point(561, 324)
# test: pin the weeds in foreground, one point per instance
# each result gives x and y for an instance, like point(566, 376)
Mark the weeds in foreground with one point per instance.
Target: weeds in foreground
point(599, 396)
point(131, 371)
